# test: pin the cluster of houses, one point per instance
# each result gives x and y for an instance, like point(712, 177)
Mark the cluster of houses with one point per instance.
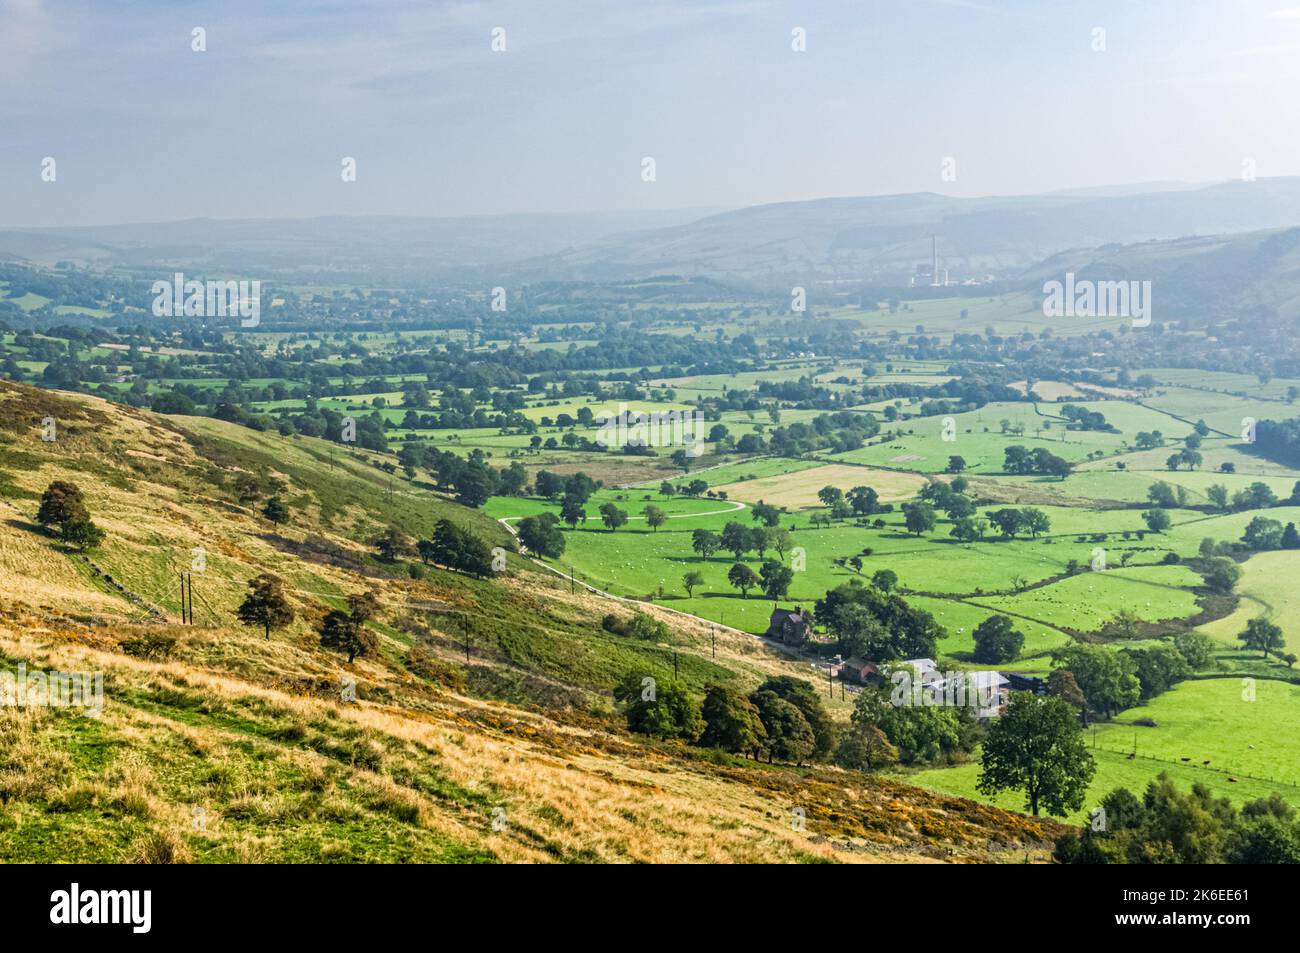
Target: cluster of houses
point(987, 691)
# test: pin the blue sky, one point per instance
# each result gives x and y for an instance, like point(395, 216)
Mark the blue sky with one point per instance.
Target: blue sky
point(144, 129)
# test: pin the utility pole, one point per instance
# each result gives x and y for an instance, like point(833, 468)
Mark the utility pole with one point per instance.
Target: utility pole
point(713, 639)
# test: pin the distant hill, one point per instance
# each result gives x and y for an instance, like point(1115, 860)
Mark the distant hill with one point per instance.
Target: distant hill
point(876, 240)
point(337, 249)
point(880, 240)
point(1253, 277)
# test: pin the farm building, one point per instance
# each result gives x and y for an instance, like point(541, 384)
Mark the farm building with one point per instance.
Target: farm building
point(986, 692)
point(1026, 683)
point(926, 667)
point(791, 626)
point(858, 669)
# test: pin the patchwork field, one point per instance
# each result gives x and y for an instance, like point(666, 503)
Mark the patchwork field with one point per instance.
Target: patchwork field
point(799, 490)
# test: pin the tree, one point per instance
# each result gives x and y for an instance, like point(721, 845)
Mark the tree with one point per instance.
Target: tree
point(612, 516)
point(1263, 635)
point(1108, 678)
point(453, 547)
point(654, 517)
point(803, 696)
point(1158, 668)
point(732, 722)
point(776, 579)
point(1162, 494)
point(265, 604)
point(1008, 521)
point(61, 502)
point(743, 578)
point(391, 544)
point(1221, 574)
point(573, 510)
point(81, 533)
point(956, 464)
point(884, 579)
point(666, 489)
point(864, 500)
point(737, 539)
point(548, 485)
point(1263, 533)
point(513, 480)
point(690, 580)
point(1016, 459)
point(918, 517)
point(705, 542)
point(1037, 747)
point(1168, 826)
point(1035, 521)
point(475, 483)
point(1157, 520)
point(789, 737)
point(959, 507)
point(901, 631)
point(830, 495)
point(997, 641)
point(921, 733)
point(1196, 647)
point(1290, 537)
point(659, 710)
point(276, 511)
point(865, 748)
point(347, 632)
point(858, 632)
point(541, 535)
point(1061, 683)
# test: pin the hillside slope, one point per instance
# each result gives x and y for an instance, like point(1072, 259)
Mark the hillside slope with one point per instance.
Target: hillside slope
point(880, 239)
point(229, 746)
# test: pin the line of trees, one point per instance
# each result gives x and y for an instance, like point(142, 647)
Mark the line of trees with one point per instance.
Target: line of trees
point(781, 720)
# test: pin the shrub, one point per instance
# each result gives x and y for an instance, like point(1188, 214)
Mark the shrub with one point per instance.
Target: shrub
point(150, 646)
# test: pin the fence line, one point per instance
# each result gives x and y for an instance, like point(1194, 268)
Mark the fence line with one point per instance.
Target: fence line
point(1199, 767)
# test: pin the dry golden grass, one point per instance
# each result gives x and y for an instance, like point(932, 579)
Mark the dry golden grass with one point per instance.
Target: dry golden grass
point(799, 489)
point(251, 736)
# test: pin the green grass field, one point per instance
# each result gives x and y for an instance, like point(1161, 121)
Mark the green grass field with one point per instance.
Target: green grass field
point(1205, 720)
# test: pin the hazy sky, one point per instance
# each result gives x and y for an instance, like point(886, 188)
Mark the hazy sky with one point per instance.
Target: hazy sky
point(144, 129)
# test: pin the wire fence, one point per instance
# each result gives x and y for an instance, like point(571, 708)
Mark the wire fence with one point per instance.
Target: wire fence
point(1178, 762)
